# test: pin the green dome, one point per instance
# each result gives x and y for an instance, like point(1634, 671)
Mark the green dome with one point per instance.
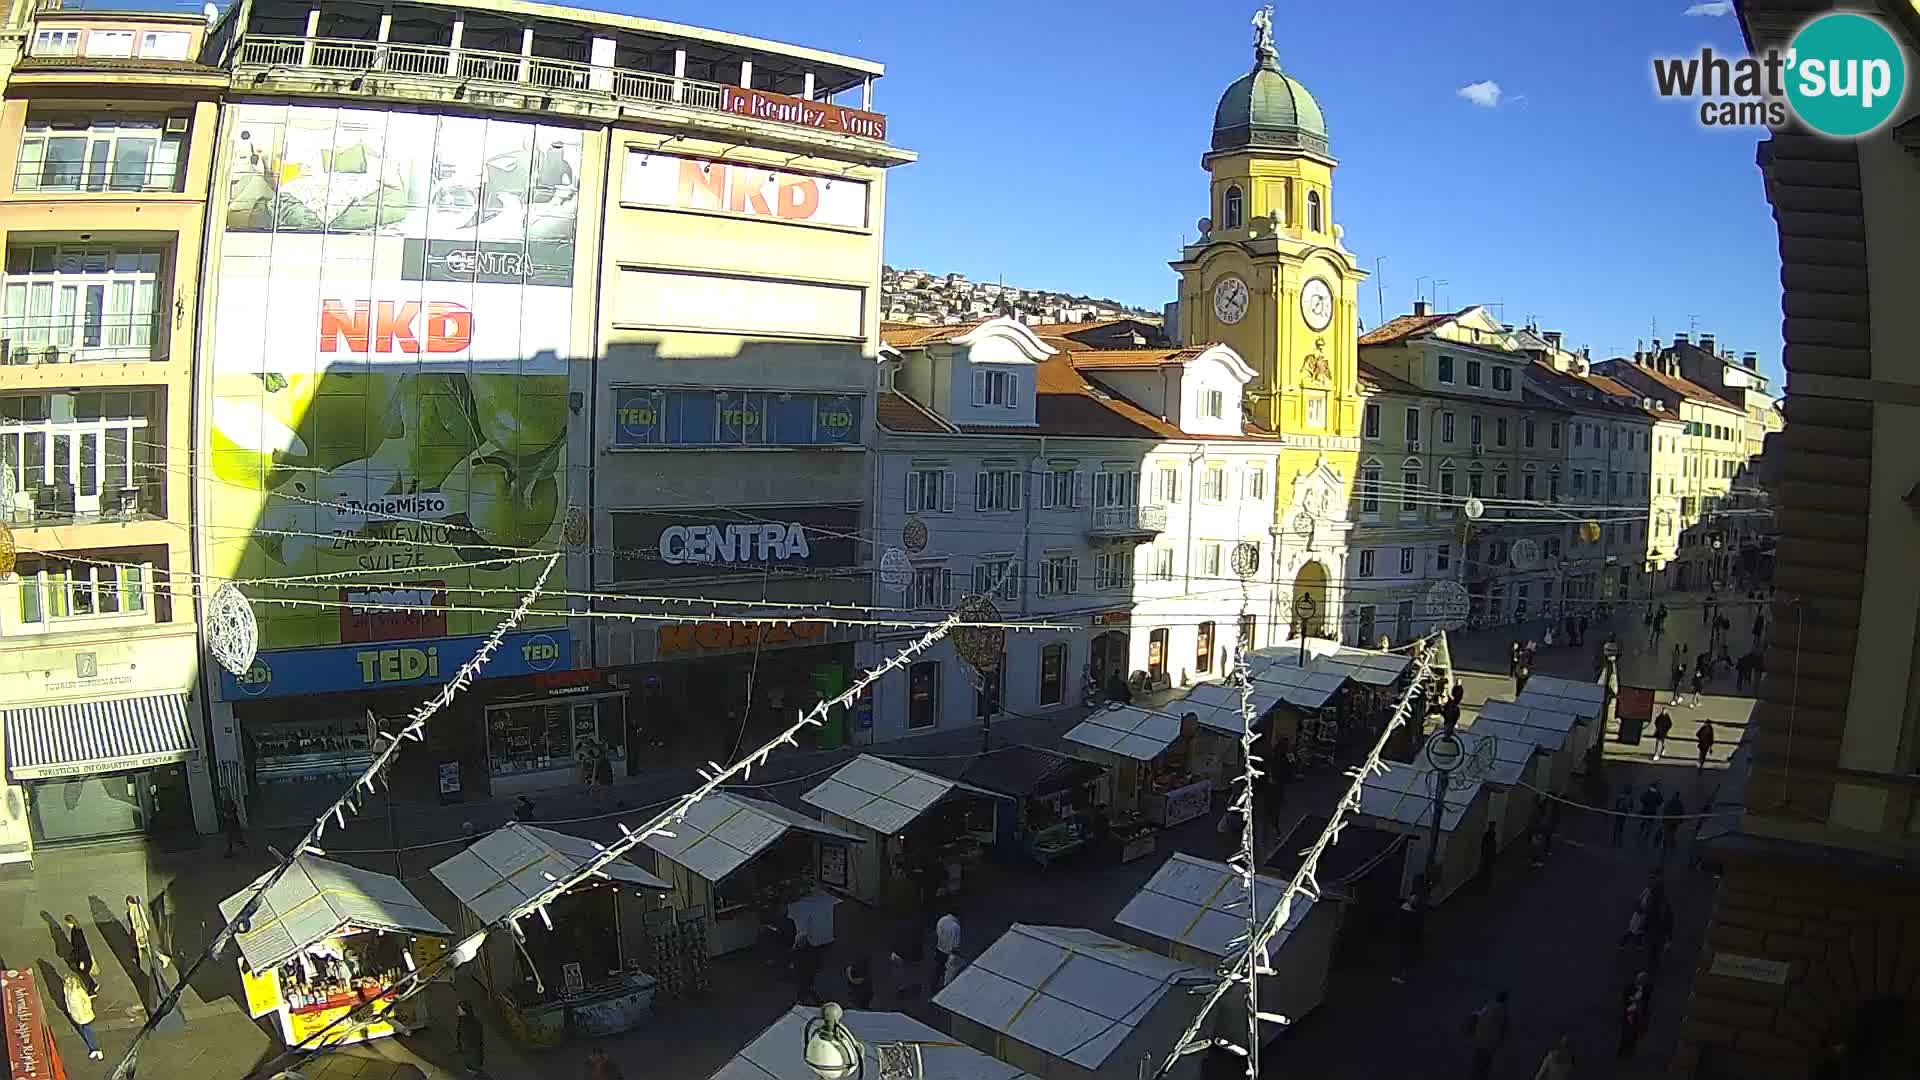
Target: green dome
point(1266, 109)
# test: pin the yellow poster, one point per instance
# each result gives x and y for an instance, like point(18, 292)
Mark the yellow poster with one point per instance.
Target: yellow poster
point(263, 991)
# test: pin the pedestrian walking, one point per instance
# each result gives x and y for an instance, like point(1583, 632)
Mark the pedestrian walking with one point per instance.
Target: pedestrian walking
point(1520, 678)
point(805, 968)
point(946, 942)
point(470, 1038)
point(1413, 915)
point(1546, 638)
point(79, 1002)
point(522, 808)
point(1649, 808)
point(1450, 712)
point(1703, 739)
point(1662, 727)
point(602, 769)
point(1700, 667)
point(1487, 1031)
point(601, 1067)
point(1622, 809)
point(1674, 696)
point(1636, 1003)
point(1670, 815)
point(80, 953)
point(1489, 850)
point(1743, 672)
point(1558, 1064)
point(140, 928)
point(1513, 660)
point(230, 826)
point(1759, 628)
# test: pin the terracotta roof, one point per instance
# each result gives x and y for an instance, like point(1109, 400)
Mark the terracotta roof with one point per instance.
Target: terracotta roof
point(1066, 404)
point(899, 413)
point(1115, 359)
point(1613, 395)
point(1064, 329)
point(908, 335)
point(1404, 326)
point(1686, 388)
point(1064, 344)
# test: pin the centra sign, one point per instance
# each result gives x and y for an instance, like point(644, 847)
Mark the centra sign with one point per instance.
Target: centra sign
point(754, 543)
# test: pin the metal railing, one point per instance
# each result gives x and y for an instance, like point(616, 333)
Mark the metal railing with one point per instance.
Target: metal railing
point(1124, 519)
point(35, 174)
point(79, 339)
point(462, 65)
point(41, 505)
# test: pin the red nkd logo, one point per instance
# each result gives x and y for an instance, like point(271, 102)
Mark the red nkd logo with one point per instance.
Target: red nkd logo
point(389, 327)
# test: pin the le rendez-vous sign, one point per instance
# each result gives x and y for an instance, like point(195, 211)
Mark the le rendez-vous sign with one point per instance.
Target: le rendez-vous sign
point(782, 109)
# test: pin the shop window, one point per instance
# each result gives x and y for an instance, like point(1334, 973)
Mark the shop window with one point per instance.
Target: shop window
point(1203, 649)
point(1053, 673)
point(1157, 653)
point(923, 694)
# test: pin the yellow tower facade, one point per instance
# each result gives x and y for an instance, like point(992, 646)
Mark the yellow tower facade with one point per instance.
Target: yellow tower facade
point(1270, 277)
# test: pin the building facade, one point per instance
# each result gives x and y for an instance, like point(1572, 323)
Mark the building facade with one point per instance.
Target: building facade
point(107, 135)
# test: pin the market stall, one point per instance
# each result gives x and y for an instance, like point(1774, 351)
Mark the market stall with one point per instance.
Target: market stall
point(1057, 802)
point(908, 818)
point(1556, 735)
point(1586, 701)
point(1374, 681)
point(1516, 766)
point(1065, 1003)
point(776, 1053)
point(745, 861)
point(1213, 739)
point(1147, 754)
point(327, 937)
point(1193, 910)
point(585, 975)
point(1401, 800)
point(1309, 719)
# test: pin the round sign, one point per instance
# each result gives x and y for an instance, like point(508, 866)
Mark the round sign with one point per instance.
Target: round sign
point(1246, 559)
point(1444, 752)
point(1475, 508)
point(914, 535)
point(896, 573)
point(1524, 554)
point(1447, 604)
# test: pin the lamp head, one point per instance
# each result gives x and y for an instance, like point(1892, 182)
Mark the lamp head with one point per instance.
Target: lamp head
point(831, 1050)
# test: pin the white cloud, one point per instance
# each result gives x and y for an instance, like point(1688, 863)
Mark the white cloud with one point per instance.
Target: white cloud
point(1485, 93)
point(1712, 9)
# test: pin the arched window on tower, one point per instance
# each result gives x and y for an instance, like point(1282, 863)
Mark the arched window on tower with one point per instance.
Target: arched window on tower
point(1233, 209)
point(1314, 223)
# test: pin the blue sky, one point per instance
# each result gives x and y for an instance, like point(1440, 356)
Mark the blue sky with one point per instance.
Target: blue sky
point(1060, 146)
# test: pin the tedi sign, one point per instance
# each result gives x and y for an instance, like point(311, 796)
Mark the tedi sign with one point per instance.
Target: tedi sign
point(755, 543)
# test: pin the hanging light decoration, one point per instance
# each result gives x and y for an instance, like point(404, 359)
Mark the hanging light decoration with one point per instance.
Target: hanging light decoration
point(576, 530)
point(232, 634)
point(980, 646)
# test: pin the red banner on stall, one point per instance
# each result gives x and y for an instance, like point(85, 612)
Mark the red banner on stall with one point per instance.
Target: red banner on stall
point(30, 1051)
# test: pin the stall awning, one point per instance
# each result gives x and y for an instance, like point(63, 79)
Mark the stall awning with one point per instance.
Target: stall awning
point(1311, 688)
point(318, 898)
point(1065, 991)
point(883, 795)
point(1023, 772)
point(1404, 794)
point(1537, 712)
point(516, 862)
point(1506, 764)
point(723, 832)
point(47, 741)
point(1217, 705)
point(1128, 731)
point(1550, 740)
point(1201, 904)
point(775, 1055)
point(1583, 699)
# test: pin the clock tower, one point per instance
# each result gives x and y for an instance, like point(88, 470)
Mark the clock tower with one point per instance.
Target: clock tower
point(1270, 277)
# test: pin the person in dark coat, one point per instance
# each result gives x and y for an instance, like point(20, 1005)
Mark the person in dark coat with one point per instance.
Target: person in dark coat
point(470, 1038)
point(522, 809)
point(1703, 739)
point(1622, 807)
point(231, 827)
point(1636, 1003)
point(1489, 850)
point(1662, 727)
point(80, 954)
point(1670, 815)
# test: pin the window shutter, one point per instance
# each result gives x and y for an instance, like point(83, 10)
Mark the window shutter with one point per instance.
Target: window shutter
point(982, 494)
point(946, 490)
point(1046, 492)
point(946, 588)
point(979, 388)
point(1016, 489)
point(1013, 390)
point(1079, 489)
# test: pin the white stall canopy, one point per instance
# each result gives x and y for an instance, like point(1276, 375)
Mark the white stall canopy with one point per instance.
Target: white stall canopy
point(516, 862)
point(1216, 706)
point(1529, 715)
point(723, 832)
point(776, 1054)
point(1509, 758)
point(1366, 667)
point(1071, 993)
point(1128, 732)
point(1202, 904)
point(883, 795)
point(317, 899)
point(1404, 794)
point(1304, 688)
point(1582, 699)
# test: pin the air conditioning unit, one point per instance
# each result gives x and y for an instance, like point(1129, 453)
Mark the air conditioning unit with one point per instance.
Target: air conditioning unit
point(176, 125)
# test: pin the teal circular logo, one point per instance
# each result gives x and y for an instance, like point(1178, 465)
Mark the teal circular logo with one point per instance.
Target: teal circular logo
point(1845, 74)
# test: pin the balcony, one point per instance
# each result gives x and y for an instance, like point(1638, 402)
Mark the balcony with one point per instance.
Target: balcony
point(48, 505)
point(83, 339)
point(463, 68)
point(1111, 522)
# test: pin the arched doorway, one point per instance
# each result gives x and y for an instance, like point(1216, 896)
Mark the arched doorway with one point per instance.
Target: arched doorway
point(1311, 584)
point(1108, 657)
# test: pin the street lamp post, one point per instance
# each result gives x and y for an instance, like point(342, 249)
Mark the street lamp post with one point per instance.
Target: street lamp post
point(829, 1049)
point(1305, 607)
point(1444, 753)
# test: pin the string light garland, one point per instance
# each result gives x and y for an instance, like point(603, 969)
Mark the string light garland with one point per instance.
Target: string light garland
point(372, 777)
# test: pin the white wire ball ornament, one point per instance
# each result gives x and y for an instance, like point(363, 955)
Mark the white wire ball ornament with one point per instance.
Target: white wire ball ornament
point(980, 646)
point(232, 634)
point(896, 573)
point(1246, 559)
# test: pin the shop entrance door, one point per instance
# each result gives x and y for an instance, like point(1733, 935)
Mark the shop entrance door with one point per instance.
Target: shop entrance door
point(1157, 653)
point(167, 804)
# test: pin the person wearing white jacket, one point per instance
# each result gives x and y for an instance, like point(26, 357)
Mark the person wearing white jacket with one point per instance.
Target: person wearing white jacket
point(946, 951)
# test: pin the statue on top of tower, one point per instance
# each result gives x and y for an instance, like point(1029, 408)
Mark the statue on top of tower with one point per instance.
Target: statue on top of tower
point(1263, 49)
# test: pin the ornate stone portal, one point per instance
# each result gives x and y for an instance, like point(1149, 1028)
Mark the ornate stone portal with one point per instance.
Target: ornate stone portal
point(1310, 552)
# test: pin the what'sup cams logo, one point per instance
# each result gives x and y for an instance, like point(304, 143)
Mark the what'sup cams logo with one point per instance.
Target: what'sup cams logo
point(1843, 75)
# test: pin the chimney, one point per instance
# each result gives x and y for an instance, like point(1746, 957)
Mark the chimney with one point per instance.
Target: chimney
point(1419, 307)
point(1752, 359)
point(1679, 339)
point(1706, 342)
point(1553, 339)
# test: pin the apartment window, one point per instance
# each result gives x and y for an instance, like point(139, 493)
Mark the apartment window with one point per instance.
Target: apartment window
point(1476, 483)
point(1473, 373)
point(1213, 484)
point(1446, 482)
point(1593, 435)
point(998, 489)
point(1526, 432)
point(1526, 485)
point(1316, 410)
point(1210, 561)
point(1061, 489)
point(1409, 491)
point(1256, 483)
point(1613, 438)
point(1166, 485)
point(1551, 548)
point(111, 44)
point(1520, 602)
point(1500, 431)
point(1163, 564)
point(1413, 427)
point(923, 694)
point(1314, 222)
point(56, 43)
point(1579, 435)
point(1443, 557)
point(1370, 489)
point(1213, 404)
point(1502, 377)
point(929, 490)
point(1579, 482)
point(1370, 421)
point(1366, 562)
point(1446, 428)
point(1500, 484)
point(995, 388)
point(1233, 208)
point(1553, 436)
point(1613, 485)
point(1446, 368)
point(1203, 648)
point(81, 454)
point(82, 153)
point(1113, 570)
point(1059, 575)
point(997, 575)
point(1553, 486)
point(932, 586)
point(1473, 430)
point(1053, 673)
point(163, 45)
point(70, 303)
point(1593, 481)
point(1113, 489)
point(1406, 560)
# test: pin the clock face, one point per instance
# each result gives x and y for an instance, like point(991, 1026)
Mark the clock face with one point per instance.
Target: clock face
point(1230, 300)
point(1316, 303)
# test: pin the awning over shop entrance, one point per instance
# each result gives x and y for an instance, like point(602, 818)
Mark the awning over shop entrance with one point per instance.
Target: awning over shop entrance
point(74, 739)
